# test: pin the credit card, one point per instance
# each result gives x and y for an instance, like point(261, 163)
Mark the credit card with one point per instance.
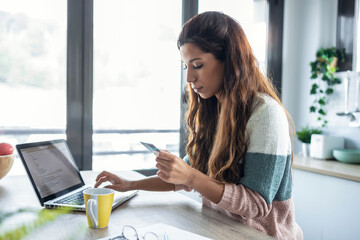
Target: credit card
point(150, 147)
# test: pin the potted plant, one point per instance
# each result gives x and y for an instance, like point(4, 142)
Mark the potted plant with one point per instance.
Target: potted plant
point(304, 135)
point(323, 68)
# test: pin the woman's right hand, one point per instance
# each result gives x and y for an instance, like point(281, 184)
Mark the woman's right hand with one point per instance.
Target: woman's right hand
point(117, 183)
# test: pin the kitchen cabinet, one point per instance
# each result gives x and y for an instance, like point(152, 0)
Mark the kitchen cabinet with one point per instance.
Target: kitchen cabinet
point(327, 203)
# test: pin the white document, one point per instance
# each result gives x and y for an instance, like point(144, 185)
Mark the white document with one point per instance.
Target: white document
point(173, 233)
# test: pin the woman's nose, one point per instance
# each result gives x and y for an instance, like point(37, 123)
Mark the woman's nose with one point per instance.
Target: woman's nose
point(190, 77)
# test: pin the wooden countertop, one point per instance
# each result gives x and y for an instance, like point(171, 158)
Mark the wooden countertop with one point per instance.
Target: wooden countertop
point(145, 209)
point(328, 167)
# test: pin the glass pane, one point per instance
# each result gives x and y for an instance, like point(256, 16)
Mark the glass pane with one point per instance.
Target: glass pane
point(32, 71)
point(136, 81)
point(252, 16)
point(357, 39)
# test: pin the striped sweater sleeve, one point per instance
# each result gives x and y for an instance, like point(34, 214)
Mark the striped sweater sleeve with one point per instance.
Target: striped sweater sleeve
point(267, 164)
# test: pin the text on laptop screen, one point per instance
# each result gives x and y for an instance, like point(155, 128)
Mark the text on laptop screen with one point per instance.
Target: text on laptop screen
point(51, 167)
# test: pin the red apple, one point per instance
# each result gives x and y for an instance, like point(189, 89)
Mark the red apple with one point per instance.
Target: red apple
point(6, 149)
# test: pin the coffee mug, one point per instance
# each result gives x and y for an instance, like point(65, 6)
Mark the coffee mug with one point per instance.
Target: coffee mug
point(98, 204)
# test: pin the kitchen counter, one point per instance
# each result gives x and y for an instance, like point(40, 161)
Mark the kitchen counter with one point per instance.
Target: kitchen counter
point(328, 167)
point(143, 210)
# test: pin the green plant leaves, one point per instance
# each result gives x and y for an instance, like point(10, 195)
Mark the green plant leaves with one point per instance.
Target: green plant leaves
point(41, 217)
point(314, 76)
point(329, 91)
point(322, 101)
point(324, 68)
point(304, 135)
point(337, 80)
point(314, 87)
point(322, 112)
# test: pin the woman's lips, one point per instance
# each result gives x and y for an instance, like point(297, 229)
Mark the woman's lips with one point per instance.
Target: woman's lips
point(197, 90)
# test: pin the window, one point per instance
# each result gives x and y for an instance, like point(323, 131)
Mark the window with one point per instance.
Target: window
point(252, 16)
point(32, 70)
point(135, 78)
point(136, 81)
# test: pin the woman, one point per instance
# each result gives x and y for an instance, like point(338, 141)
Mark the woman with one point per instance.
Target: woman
point(239, 150)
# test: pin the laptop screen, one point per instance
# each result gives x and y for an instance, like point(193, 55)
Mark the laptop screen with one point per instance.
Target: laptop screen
point(51, 167)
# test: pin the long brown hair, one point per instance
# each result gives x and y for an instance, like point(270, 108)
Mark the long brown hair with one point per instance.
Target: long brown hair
point(217, 139)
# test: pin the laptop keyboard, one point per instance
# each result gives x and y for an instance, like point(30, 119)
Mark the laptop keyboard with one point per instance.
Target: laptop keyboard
point(73, 199)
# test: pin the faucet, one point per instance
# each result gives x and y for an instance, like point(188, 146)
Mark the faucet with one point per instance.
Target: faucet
point(355, 115)
point(355, 121)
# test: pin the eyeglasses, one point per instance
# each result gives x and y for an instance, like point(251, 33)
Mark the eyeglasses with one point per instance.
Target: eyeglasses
point(130, 233)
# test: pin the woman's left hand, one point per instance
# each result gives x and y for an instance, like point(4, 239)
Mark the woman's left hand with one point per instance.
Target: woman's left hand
point(173, 169)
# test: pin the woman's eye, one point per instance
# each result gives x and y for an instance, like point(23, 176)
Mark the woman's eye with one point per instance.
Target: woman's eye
point(198, 67)
point(185, 67)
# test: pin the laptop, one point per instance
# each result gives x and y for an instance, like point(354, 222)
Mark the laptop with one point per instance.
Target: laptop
point(55, 177)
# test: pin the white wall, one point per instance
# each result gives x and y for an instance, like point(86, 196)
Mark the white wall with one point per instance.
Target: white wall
point(308, 26)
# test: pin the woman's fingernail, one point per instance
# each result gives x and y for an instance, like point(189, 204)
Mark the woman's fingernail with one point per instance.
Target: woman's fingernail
point(156, 153)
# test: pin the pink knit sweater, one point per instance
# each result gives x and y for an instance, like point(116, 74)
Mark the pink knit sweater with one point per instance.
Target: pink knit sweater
point(247, 206)
point(262, 198)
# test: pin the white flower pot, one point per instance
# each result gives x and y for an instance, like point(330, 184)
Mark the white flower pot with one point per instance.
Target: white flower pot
point(306, 149)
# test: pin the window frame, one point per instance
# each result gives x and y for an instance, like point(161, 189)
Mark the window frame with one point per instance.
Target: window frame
point(345, 30)
point(79, 128)
point(275, 42)
point(79, 104)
